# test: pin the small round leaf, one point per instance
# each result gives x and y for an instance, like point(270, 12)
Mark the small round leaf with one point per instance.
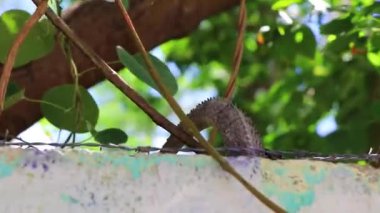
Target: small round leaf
point(112, 135)
point(59, 108)
point(39, 42)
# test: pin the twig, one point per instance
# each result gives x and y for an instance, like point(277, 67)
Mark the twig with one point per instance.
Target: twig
point(95, 68)
point(117, 81)
point(9, 62)
point(238, 50)
point(236, 61)
point(238, 54)
point(187, 121)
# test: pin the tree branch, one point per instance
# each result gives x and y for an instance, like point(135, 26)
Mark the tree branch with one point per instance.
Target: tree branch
point(99, 23)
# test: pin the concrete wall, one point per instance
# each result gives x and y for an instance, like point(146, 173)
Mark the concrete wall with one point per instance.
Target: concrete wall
point(113, 181)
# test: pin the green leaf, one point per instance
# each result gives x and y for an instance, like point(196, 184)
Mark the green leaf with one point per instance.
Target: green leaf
point(284, 3)
point(59, 108)
point(284, 43)
point(337, 26)
point(112, 135)
point(137, 66)
point(374, 58)
point(166, 76)
point(307, 44)
point(14, 94)
point(341, 43)
point(374, 42)
point(39, 42)
point(373, 8)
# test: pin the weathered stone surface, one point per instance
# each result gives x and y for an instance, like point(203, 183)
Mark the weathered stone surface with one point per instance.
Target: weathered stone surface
point(113, 181)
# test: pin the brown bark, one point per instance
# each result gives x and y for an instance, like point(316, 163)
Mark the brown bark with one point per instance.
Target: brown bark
point(101, 26)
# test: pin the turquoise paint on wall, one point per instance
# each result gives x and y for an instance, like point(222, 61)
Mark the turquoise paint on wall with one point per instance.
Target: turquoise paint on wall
point(69, 199)
point(313, 177)
point(291, 201)
point(137, 165)
point(6, 169)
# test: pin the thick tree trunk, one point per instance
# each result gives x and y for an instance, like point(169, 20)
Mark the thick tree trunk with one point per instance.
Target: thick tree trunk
point(101, 26)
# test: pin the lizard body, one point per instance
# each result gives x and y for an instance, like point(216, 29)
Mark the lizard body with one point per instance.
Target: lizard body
point(236, 129)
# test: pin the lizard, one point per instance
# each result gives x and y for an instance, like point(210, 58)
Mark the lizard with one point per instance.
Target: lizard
point(236, 129)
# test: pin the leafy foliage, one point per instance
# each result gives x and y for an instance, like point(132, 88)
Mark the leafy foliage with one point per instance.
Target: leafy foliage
point(295, 74)
point(137, 66)
point(71, 108)
point(118, 111)
point(39, 42)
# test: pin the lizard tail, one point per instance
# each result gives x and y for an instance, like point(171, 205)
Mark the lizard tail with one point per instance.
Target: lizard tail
point(236, 129)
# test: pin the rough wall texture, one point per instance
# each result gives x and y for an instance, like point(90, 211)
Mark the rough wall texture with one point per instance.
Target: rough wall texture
point(112, 181)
